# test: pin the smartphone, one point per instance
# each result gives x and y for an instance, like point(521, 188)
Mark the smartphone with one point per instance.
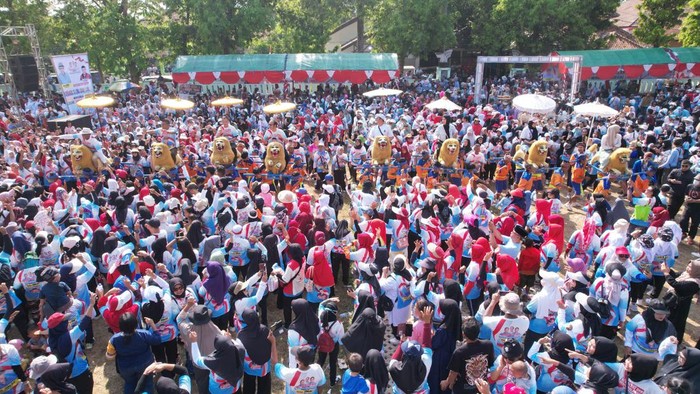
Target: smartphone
point(262, 267)
point(277, 328)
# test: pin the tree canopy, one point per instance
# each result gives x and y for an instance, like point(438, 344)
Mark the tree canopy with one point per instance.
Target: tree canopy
point(123, 37)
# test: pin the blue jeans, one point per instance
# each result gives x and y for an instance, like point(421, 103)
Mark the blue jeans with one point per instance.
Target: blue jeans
point(131, 376)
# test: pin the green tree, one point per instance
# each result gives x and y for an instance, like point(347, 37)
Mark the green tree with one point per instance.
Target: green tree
point(301, 26)
point(538, 27)
point(689, 35)
point(229, 26)
point(656, 17)
point(119, 35)
point(411, 27)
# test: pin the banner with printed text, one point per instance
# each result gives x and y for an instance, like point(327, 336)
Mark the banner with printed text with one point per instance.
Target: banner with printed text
point(73, 73)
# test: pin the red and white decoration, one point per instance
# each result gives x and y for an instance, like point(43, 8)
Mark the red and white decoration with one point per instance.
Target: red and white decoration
point(637, 71)
point(316, 76)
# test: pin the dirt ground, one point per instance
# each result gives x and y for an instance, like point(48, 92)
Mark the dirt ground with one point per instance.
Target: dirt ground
point(108, 381)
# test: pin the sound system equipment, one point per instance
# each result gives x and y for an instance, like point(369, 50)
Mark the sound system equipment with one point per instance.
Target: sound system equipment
point(24, 73)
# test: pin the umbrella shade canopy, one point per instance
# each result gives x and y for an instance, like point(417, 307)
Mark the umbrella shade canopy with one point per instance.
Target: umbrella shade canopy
point(177, 103)
point(95, 102)
point(279, 107)
point(534, 103)
point(444, 103)
point(123, 86)
point(227, 102)
point(595, 109)
point(382, 92)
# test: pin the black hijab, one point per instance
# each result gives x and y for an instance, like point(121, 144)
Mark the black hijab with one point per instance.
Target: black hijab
point(254, 337)
point(409, 374)
point(329, 314)
point(122, 208)
point(561, 342)
point(601, 378)
point(153, 309)
point(56, 378)
point(186, 274)
point(689, 371)
point(364, 301)
point(452, 290)
point(305, 321)
point(367, 332)
point(591, 323)
point(226, 360)
point(657, 331)
point(254, 261)
point(158, 248)
point(167, 386)
point(375, 370)
point(381, 257)
point(111, 243)
point(195, 233)
point(399, 267)
point(97, 246)
point(453, 317)
point(605, 350)
point(270, 242)
point(643, 367)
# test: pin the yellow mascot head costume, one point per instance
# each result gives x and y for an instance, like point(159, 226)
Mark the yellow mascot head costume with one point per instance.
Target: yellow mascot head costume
point(81, 158)
point(537, 154)
point(161, 159)
point(222, 154)
point(275, 158)
point(381, 151)
point(449, 153)
point(618, 161)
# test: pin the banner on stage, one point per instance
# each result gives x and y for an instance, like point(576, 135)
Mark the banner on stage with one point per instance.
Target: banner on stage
point(73, 73)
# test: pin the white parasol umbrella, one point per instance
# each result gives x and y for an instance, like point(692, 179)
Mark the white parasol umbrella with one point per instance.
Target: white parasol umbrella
point(534, 103)
point(227, 102)
point(93, 101)
point(177, 103)
point(444, 103)
point(279, 107)
point(595, 109)
point(381, 92)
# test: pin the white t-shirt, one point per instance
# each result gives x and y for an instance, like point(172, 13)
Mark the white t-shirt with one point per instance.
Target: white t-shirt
point(503, 328)
point(301, 381)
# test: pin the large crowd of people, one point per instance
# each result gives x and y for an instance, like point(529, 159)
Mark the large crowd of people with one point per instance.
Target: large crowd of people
point(409, 250)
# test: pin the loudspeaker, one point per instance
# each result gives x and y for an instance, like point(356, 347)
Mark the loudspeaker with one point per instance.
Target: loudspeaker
point(24, 73)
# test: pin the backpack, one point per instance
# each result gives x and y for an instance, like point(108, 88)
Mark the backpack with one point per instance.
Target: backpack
point(326, 344)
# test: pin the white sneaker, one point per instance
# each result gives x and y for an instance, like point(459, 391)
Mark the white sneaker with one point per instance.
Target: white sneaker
point(640, 303)
point(647, 300)
point(633, 308)
point(695, 254)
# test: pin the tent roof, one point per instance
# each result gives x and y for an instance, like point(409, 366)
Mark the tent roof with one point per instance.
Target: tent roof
point(622, 57)
point(214, 63)
point(288, 62)
point(342, 61)
point(688, 55)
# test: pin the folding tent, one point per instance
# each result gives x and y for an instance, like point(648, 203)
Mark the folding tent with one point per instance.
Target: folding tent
point(637, 63)
point(275, 68)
